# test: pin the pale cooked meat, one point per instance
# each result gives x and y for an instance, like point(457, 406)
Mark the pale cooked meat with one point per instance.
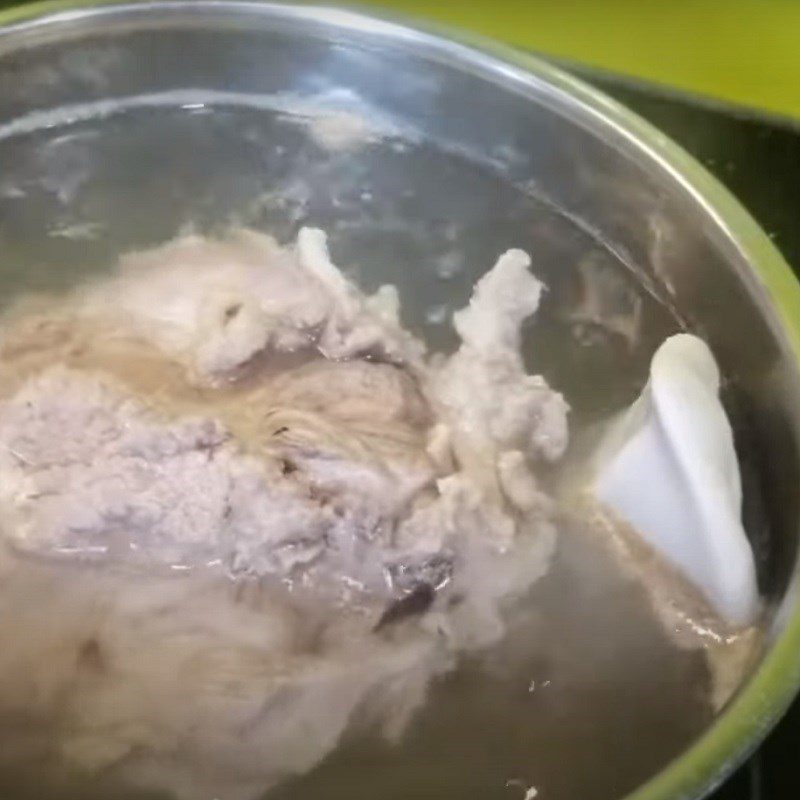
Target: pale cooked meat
point(262, 512)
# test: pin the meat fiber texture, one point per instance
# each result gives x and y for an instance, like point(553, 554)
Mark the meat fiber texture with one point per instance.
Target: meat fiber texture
point(219, 467)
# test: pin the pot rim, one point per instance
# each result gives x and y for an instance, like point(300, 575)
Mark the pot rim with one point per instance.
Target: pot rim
point(767, 694)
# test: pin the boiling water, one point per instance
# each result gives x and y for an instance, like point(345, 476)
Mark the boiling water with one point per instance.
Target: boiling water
point(587, 696)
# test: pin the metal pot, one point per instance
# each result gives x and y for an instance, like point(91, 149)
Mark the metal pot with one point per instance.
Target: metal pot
point(74, 193)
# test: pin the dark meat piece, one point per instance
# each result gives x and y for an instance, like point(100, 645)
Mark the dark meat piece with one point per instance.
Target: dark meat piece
point(435, 570)
point(416, 602)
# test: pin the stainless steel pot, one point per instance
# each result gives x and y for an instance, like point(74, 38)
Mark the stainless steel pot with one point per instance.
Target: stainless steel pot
point(74, 193)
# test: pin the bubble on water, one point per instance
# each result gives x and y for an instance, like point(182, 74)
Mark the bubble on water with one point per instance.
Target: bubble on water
point(341, 130)
point(436, 314)
point(449, 265)
point(451, 232)
point(10, 191)
point(77, 231)
point(533, 685)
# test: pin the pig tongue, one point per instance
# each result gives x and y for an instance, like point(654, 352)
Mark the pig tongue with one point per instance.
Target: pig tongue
point(667, 466)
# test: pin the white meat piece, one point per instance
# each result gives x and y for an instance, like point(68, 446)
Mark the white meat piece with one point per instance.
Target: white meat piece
point(89, 470)
point(493, 401)
point(488, 399)
point(214, 305)
point(327, 483)
point(172, 684)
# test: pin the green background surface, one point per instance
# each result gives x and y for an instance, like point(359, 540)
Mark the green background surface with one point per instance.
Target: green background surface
point(743, 51)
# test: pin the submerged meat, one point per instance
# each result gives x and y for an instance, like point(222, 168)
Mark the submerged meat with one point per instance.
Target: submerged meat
point(213, 305)
point(234, 464)
point(88, 470)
